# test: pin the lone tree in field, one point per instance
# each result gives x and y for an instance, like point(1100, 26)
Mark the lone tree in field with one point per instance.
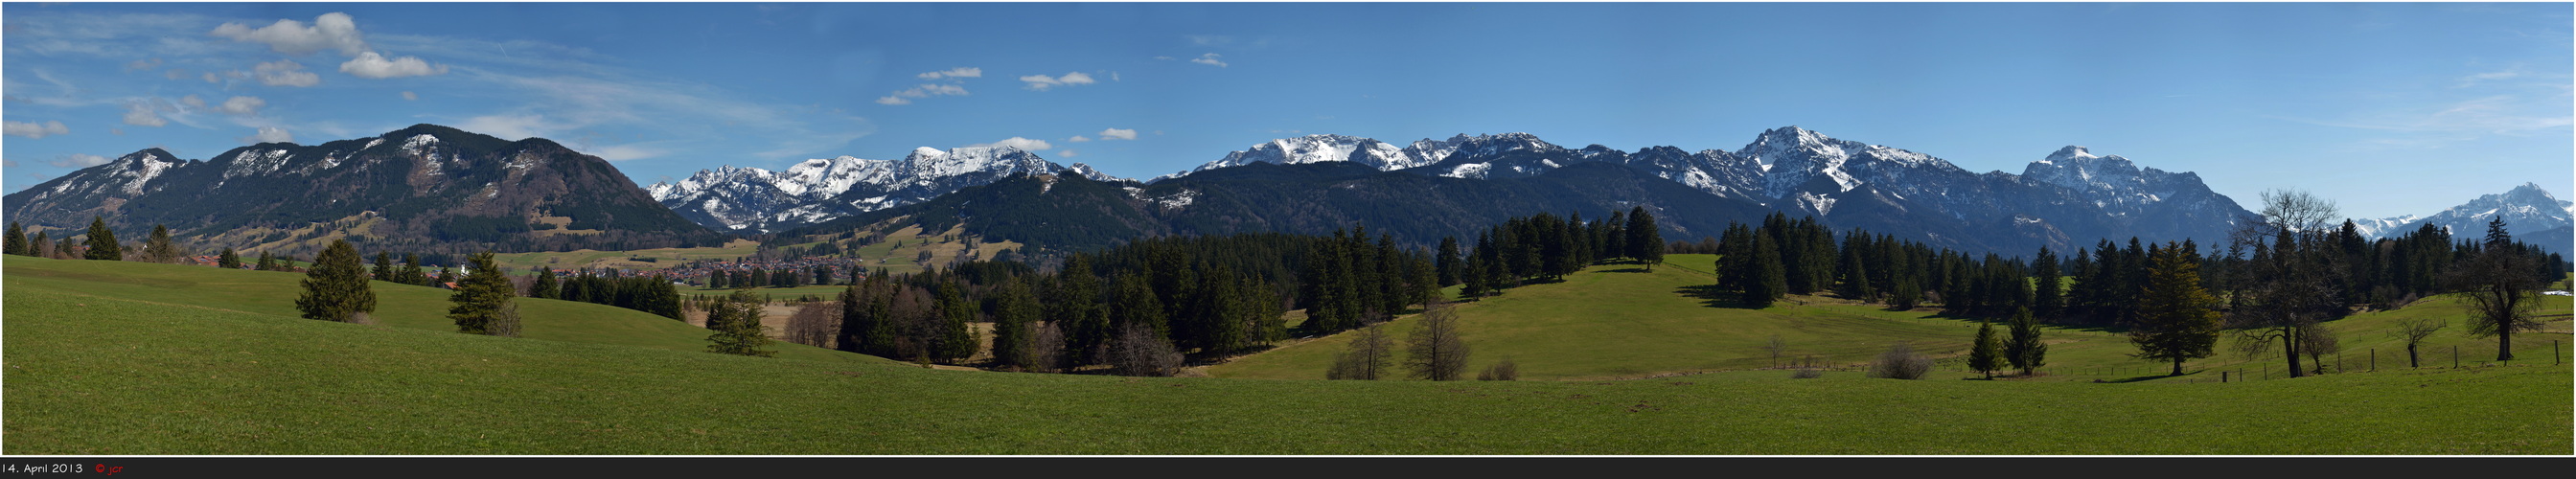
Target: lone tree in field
point(2292, 284)
point(1776, 347)
point(2498, 285)
point(2023, 347)
point(1987, 356)
point(481, 298)
point(1368, 357)
point(2414, 331)
point(2175, 322)
point(159, 248)
point(102, 243)
point(736, 320)
point(336, 287)
point(1436, 351)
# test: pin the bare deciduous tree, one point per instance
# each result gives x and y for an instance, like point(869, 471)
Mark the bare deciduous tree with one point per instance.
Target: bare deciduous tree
point(1049, 348)
point(1367, 358)
point(2317, 342)
point(1776, 347)
point(1501, 371)
point(1436, 350)
point(1138, 351)
point(2414, 331)
point(815, 324)
point(1900, 362)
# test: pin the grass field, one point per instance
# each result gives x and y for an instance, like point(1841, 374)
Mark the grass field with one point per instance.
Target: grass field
point(156, 369)
point(1620, 321)
point(397, 305)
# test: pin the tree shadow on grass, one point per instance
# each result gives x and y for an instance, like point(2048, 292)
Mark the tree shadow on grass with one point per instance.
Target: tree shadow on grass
point(1712, 297)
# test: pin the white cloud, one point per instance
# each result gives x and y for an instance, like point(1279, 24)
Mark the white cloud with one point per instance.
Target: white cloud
point(926, 90)
point(1023, 144)
point(175, 74)
point(1163, 57)
point(8, 163)
point(372, 65)
point(240, 105)
point(1209, 59)
point(407, 95)
point(510, 127)
point(331, 31)
point(1117, 134)
point(77, 160)
point(141, 114)
point(192, 101)
point(959, 72)
point(285, 73)
point(211, 78)
point(1077, 139)
point(1209, 40)
point(269, 134)
point(144, 64)
point(1043, 82)
point(1067, 153)
point(34, 130)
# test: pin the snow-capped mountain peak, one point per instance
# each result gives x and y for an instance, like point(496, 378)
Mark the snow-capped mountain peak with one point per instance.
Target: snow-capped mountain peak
point(816, 190)
point(2526, 209)
point(1319, 148)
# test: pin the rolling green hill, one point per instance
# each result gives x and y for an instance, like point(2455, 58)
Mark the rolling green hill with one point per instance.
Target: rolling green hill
point(397, 305)
point(1620, 321)
point(141, 370)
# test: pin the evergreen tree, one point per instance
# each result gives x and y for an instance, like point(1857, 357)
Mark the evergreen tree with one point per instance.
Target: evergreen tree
point(40, 246)
point(266, 262)
point(384, 270)
point(2050, 299)
point(2175, 322)
point(17, 242)
point(159, 248)
point(716, 280)
point(1770, 281)
point(410, 273)
point(1075, 309)
point(228, 260)
point(1854, 281)
point(2023, 346)
point(544, 286)
point(102, 243)
point(1015, 316)
point(1474, 286)
point(1137, 305)
point(480, 297)
point(1987, 356)
point(739, 331)
point(1645, 242)
point(336, 287)
point(1907, 295)
point(446, 274)
point(957, 340)
point(759, 278)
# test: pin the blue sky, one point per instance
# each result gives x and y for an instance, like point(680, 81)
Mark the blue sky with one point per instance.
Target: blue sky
point(2386, 108)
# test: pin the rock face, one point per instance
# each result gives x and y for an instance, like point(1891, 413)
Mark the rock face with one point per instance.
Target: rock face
point(753, 200)
point(426, 188)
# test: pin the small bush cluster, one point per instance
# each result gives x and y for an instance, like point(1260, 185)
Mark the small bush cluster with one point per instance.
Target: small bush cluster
point(1900, 362)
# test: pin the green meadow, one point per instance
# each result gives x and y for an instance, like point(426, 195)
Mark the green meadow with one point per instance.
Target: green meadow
point(130, 358)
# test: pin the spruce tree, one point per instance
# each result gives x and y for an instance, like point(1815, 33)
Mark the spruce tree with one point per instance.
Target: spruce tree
point(1769, 280)
point(1015, 316)
point(957, 340)
point(384, 270)
point(159, 248)
point(17, 242)
point(102, 243)
point(1987, 356)
point(480, 296)
point(2050, 299)
point(2023, 346)
point(267, 262)
point(228, 260)
point(410, 273)
point(544, 286)
point(1645, 242)
point(740, 331)
point(2175, 321)
point(336, 287)
point(40, 246)
point(1447, 262)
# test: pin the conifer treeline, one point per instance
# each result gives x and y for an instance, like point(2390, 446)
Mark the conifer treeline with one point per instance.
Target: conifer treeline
point(1763, 263)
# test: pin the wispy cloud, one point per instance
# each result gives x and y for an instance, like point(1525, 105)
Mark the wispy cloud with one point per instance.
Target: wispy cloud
point(1117, 134)
point(77, 160)
point(1209, 59)
point(959, 72)
point(331, 31)
point(1044, 83)
point(269, 134)
point(285, 73)
point(1023, 144)
point(34, 130)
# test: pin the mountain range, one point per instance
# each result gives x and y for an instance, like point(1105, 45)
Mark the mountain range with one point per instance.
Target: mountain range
point(426, 188)
point(754, 200)
point(2530, 213)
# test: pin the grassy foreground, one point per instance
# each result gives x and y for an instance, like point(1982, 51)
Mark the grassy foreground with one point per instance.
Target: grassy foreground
point(91, 372)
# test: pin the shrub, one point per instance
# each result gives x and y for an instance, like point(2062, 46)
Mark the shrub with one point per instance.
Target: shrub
point(1900, 362)
point(1807, 373)
point(1501, 371)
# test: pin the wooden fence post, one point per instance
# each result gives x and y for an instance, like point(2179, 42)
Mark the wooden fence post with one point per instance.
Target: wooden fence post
point(2455, 356)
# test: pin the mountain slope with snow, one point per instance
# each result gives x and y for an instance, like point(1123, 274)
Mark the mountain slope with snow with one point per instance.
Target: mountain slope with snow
point(2526, 209)
point(813, 191)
